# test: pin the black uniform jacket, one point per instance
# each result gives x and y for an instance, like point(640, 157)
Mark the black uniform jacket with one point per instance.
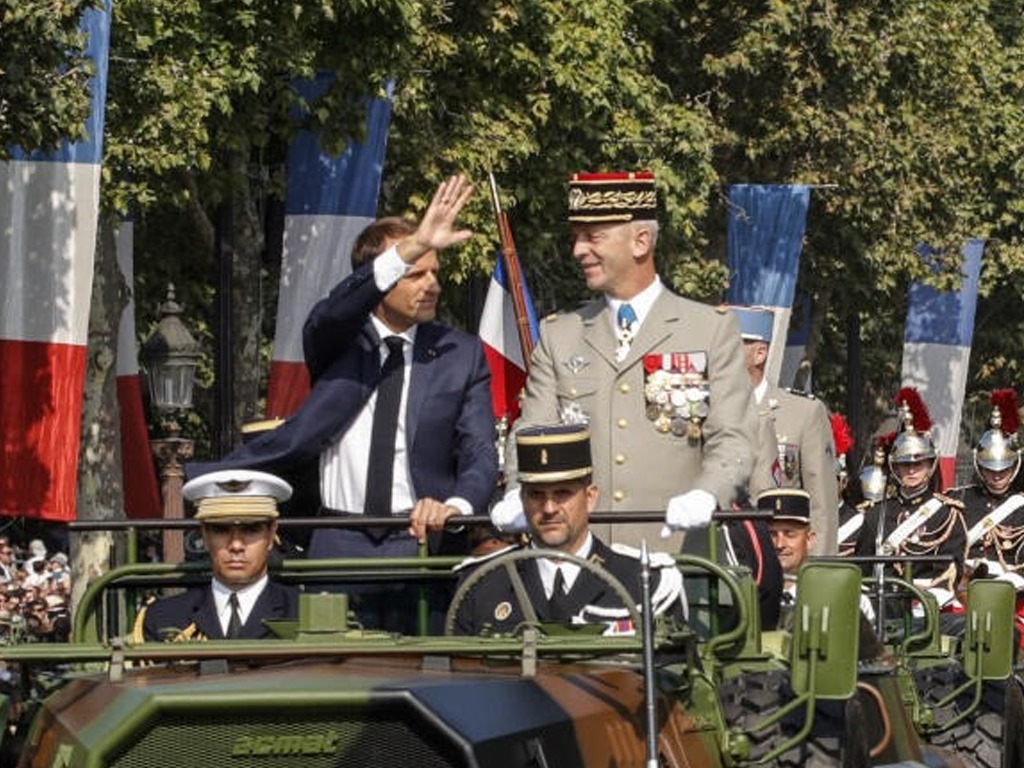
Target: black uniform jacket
point(493, 602)
point(193, 614)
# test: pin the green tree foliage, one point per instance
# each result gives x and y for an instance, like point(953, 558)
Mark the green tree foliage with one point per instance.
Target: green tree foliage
point(43, 73)
point(908, 114)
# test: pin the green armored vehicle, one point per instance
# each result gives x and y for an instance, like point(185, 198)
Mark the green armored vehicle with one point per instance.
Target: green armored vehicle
point(329, 693)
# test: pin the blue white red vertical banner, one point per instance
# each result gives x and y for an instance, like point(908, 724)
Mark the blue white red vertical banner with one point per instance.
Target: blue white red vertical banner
point(49, 204)
point(329, 200)
point(937, 351)
point(141, 491)
point(499, 332)
point(766, 225)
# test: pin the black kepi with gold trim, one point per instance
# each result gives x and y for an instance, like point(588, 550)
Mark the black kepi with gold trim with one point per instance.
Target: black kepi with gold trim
point(786, 504)
point(551, 454)
point(612, 197)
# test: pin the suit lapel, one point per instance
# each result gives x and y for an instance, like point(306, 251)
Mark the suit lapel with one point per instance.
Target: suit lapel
point(205, 616)
point(424, 353)
point(598, 330)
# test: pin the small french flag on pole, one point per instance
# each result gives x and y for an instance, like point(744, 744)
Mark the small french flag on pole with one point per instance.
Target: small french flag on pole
point(500, 337)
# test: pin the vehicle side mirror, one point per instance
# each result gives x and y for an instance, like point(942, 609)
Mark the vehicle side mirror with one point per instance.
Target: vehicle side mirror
point(826, 630)
point(991, 607)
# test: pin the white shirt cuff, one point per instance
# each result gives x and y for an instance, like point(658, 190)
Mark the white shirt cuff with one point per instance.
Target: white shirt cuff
point(388, 269)
point(464, 507)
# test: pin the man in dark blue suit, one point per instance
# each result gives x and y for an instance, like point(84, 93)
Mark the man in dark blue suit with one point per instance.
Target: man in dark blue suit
point(238, 510)
point(436, 458)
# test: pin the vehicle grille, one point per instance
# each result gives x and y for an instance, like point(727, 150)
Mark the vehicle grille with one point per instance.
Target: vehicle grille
point(391, 736)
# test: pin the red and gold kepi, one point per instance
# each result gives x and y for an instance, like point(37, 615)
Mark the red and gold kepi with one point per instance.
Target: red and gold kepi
point(611, 197)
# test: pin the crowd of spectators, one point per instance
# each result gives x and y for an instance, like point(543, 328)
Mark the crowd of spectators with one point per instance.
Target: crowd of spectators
point(35, 592)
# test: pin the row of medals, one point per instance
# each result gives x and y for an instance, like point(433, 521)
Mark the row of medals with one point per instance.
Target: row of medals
point(676, 402)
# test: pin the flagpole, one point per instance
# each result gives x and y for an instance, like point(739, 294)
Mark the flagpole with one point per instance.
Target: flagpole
point(510, 260)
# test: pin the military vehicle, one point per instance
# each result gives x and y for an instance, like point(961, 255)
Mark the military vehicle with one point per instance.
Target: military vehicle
point(328, 692)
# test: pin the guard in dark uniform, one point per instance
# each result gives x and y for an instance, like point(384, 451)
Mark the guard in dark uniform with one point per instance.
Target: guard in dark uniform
point(916, 520)
point(874, 487)
point(993, 510)
point(238, 510)
point(558, 494)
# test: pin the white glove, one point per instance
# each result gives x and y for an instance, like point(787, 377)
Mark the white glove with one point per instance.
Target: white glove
point(692, 509)
point(508, 515)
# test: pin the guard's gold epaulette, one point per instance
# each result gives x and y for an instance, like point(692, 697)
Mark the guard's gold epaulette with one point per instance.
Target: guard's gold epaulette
point(949, 501)
point(865, 505)
point(189, 634)
point(471, 561)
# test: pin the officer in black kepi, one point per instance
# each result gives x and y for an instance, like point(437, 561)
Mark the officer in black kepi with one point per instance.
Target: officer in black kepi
point(555, 474)
point(238, 510)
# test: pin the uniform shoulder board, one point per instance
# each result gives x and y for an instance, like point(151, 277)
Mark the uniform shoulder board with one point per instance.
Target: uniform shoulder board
point(865, 505)
point(949, 501)
point(469, 562)
point(800, 393)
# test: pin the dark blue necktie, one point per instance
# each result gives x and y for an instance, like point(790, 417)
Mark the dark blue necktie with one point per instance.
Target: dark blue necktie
point(380, 472)
point(235, 622)
point(558, 603)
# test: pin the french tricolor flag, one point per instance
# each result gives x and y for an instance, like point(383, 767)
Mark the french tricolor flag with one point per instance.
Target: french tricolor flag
point(49, 204)
point(766, 227)
point(937, 351)
point(500, 336)
point(329, 200)
point(141, 492)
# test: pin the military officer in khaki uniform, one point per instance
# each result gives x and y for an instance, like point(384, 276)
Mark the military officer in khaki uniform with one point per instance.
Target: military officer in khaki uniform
point(658, 378)
point(794, 443)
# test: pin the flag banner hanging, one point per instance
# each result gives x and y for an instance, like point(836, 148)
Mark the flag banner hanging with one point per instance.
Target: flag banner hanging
point(329, 200)
point(937, 351)
point(765, 237)
point(141, 492)
point(49, 204)
point(500, 336)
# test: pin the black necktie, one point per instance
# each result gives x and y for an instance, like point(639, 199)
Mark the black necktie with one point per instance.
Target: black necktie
point(235, 622)
point(558, 603)
point(380, 472)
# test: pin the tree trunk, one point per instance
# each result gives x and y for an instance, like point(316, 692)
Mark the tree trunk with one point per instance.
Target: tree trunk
point(100, 485)
point(247, 301)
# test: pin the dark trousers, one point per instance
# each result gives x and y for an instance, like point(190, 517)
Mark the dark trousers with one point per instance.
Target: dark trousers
point(390, 607)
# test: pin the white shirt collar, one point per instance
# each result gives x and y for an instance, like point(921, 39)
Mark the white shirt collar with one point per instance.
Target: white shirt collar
point(247, 597)
point(641, 303)
point(570, 571)
point(760, 390)
point(409, 334)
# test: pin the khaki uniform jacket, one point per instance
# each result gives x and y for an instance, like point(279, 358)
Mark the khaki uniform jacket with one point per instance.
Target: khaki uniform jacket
point(636, 467)
point(796, 450)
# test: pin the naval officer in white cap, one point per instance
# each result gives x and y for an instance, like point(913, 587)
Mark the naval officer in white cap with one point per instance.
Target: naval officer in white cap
point(238, 510)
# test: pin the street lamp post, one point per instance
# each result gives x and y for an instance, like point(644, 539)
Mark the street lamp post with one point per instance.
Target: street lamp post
point(170, 356)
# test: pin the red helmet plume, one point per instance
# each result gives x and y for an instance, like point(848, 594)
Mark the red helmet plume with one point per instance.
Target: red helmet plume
point(1005, 401)
point(912, 398)
point(841, 433)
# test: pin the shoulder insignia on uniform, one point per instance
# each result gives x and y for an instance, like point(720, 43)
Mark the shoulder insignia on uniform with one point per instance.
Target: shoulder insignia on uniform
point(949, 501)
point(800, 393)
point(471, 561)
point(596, 558)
